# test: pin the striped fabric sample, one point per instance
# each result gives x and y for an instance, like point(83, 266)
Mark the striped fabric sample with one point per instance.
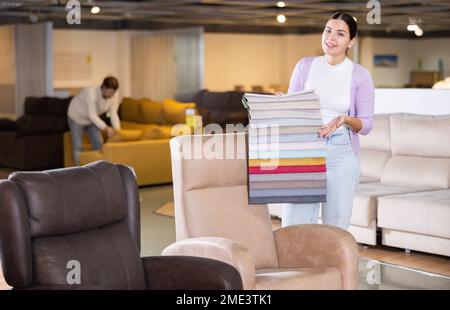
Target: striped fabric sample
point(286, 157)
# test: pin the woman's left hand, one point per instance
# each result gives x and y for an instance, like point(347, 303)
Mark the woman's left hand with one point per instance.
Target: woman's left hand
point(328, 129)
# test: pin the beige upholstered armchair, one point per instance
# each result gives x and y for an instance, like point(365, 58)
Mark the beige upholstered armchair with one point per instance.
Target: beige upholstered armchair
point(213, 219)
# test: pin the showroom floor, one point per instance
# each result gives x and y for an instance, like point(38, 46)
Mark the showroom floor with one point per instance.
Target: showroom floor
point(379, 268)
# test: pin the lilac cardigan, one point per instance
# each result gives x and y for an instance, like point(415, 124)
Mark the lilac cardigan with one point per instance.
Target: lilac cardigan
point(362, 95)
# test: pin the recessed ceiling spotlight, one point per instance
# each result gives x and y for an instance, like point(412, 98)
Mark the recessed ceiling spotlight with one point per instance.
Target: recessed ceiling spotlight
point(412, 27)
point(281, 19)
point(418, 32)
point(95, 10)
point(33, 17)
point(281, 4)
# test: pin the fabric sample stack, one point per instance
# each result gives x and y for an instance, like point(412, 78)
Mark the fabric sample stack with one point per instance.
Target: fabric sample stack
point(286, 157)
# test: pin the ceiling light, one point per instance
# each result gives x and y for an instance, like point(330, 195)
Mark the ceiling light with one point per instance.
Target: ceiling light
point(418, 32)
point(281, 4)
point(281, 18)
point(95, 10)
point(412, 27)
point(33, 17)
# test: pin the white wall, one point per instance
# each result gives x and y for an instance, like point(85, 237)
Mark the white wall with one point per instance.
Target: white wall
point(100, 48)
point(430, 50)
point(242, 59)
point(408, 52)
point(8, 72)
point(106, 53)
point(254, 59)
point(249, 59)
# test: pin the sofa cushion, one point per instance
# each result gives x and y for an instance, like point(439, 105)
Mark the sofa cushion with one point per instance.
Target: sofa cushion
point(47, 106)
point(7, 124)
point(214, 100)
point(124, 135)
point(174, 112)
point(424, 213)
point(35, 106)
point(41, 124)
point(57, 106)
point(151, 112)
point(364, 179)
point(417, 171)
point(137, 126)
point(222, 117)
point(379, 138)
point(372, 163)
point(159, 132)
point(420, 135)
point(235, 101)
point(366, 196)
point(191, 96)
point(130, 110)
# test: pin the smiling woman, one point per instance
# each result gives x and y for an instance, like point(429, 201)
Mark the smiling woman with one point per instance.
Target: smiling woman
point(346, 94)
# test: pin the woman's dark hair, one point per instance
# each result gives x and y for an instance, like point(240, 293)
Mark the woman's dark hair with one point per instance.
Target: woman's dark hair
point(110, 82)
point(349, 20)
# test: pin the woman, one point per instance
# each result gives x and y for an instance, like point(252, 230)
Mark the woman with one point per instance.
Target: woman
point(346, 94)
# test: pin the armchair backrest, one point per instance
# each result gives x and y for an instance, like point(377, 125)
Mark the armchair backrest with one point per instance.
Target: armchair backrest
point(210, 194)
point(50, 221)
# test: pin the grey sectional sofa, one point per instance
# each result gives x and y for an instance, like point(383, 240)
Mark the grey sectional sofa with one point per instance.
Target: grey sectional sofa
point(404, 189)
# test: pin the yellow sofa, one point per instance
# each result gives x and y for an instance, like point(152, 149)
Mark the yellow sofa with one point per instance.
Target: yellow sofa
point(149, 155)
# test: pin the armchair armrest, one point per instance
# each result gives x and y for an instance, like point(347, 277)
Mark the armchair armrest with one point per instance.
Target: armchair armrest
point(189, 273)
point(315, 245)
point(221, 249)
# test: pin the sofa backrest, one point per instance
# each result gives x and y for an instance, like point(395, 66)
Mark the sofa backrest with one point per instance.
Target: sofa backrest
point(420, 151)
point(218, 107)
point(47, 106)
point(147, 111)
point(375, 148)
point(210, 195)
point(44, 115)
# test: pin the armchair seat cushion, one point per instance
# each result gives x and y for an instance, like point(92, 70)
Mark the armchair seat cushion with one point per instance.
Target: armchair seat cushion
point(324, 278)
point(108, 258)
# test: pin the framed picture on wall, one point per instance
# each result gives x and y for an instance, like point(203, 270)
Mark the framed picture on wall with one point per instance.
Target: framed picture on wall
point(385, 61)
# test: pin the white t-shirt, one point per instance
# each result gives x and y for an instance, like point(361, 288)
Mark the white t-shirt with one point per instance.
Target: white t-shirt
point(86, 107)
point(332, 84)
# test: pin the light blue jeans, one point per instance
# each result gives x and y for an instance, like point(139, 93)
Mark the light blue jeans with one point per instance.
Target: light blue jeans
point(342, 179)
point(76, 134)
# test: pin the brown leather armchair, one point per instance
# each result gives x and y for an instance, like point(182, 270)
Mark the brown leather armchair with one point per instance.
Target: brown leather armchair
point(213, 219)
point(89, 215)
